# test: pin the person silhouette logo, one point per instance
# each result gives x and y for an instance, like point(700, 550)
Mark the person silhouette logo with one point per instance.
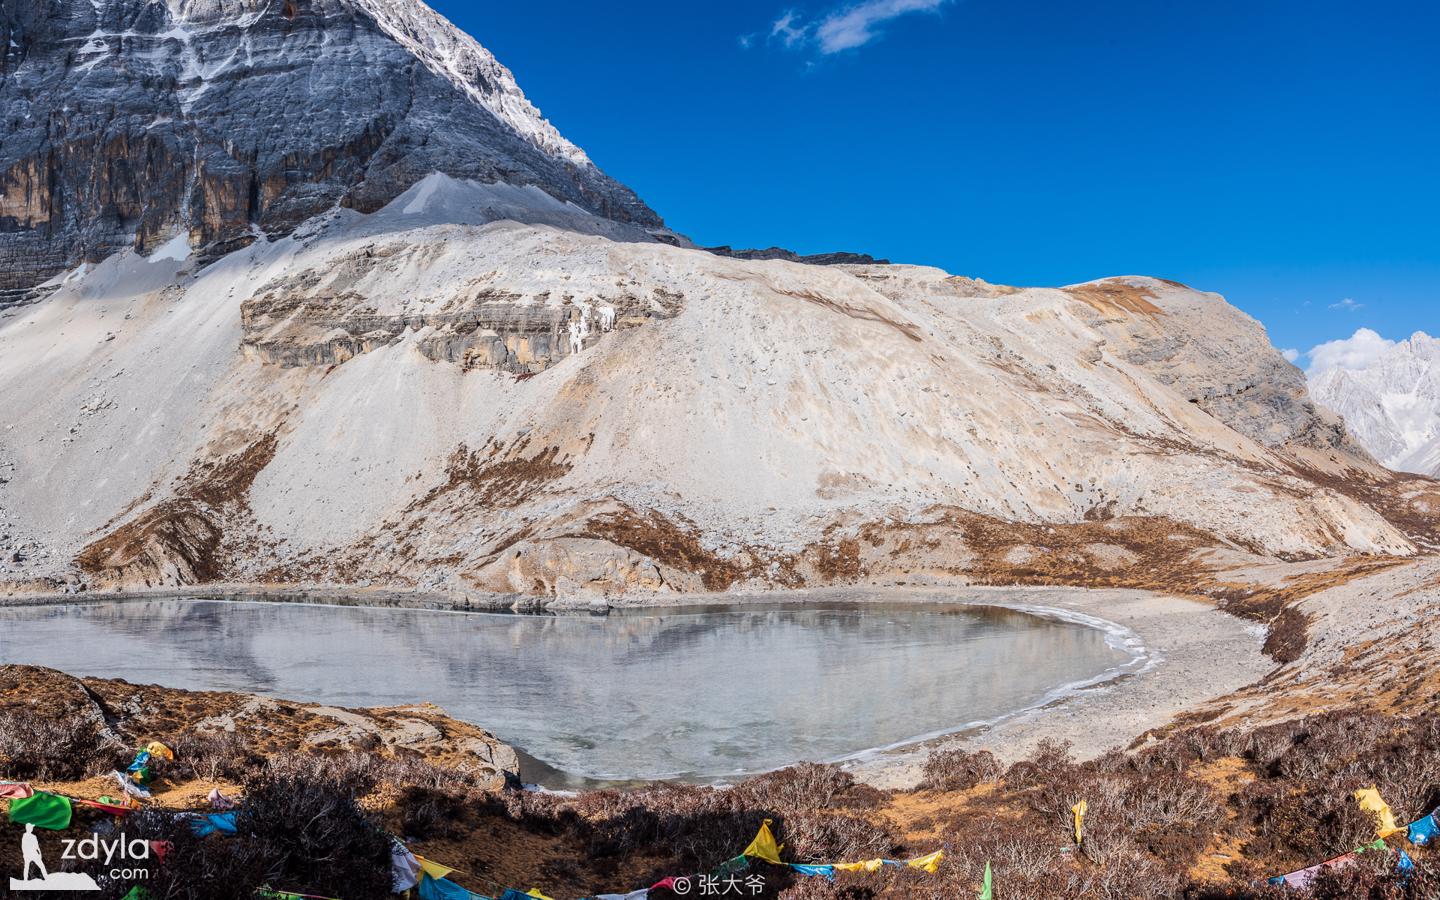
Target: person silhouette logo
point(30, 851)
point(33, 861)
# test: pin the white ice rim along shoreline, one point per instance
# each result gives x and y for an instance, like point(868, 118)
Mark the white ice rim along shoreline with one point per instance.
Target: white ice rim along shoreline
point(1122, 639)
point(1118, 637)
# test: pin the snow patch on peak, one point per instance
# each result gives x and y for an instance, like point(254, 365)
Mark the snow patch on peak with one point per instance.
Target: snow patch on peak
point(440, 199)
point(456, 56)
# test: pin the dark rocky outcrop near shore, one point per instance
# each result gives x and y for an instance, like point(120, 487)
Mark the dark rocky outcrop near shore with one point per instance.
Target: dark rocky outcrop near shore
point(119, 716)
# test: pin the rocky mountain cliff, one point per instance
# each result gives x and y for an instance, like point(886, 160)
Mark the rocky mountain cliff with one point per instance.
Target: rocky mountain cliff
point(1392, 404)
point(126, 121)
point(449, 353)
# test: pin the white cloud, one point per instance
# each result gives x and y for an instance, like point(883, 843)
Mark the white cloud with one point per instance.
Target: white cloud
point(1291, 355)
point(789, 30)
point(845, 27)
point(1348, 305)
point(858, 25)
point(746, 40)
point(1359, 351)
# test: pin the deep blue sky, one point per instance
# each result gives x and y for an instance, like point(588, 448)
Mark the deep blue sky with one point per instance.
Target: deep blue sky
point(1284, 154)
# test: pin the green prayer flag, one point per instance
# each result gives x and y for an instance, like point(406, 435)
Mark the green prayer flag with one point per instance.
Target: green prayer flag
point(41, 810)
point(987, 889)
point(731, 866)
point(137, 893)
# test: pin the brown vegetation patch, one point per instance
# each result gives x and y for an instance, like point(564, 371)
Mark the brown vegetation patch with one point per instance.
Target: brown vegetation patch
point(837, 561)
point(1409, 502)
point(228, 479)
point(667, 542)
point(497, 476)
point(178, 540)
point(1128, 552)
point(1274, 605)
point(1289, 633)
point(863, 315)
point(1116, 298)
point(172, 542)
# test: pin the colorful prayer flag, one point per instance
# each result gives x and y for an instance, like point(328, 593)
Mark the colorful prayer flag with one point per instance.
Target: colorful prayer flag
point(1423, 832)
point(405, 870)
point(764, 846)
point(987, 887)
point(731, 866)
point(42, 810)
point(215, 823)
point(1079, 811)
point(113, 809)
point(15, 790)
point(445, 889)
point(1370, 801)
point(929, 863)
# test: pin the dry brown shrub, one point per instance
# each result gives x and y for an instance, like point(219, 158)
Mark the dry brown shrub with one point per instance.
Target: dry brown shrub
point(50, 748)
point(212, 756)
point(957, 770)
point(807, 786)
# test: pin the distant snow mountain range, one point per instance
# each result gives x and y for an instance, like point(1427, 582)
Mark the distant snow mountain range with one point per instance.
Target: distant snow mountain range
point(1391, 402)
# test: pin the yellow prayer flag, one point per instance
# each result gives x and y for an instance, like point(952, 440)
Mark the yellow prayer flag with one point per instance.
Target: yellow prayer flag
point(432, 868)
point(1079, 810)
point(764, 847)
point(930, 863)
point(869, 865)
point(156, 748)
point(1370, 801)
point(535, 892)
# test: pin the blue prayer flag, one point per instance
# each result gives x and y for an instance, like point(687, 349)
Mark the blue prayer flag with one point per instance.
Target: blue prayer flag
point(223, 823)
point(1423, 832)
point(443, 889)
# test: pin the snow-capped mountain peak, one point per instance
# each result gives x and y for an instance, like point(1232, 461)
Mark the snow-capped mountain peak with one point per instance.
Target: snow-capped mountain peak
point(456, 56)
point(131, 120)
point(1390, 400)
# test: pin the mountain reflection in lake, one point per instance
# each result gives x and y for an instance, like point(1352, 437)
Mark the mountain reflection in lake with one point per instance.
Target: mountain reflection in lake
point(695, 694)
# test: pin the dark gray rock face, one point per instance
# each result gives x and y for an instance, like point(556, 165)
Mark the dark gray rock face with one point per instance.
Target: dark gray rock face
point(839, 258)
point(126, 120)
